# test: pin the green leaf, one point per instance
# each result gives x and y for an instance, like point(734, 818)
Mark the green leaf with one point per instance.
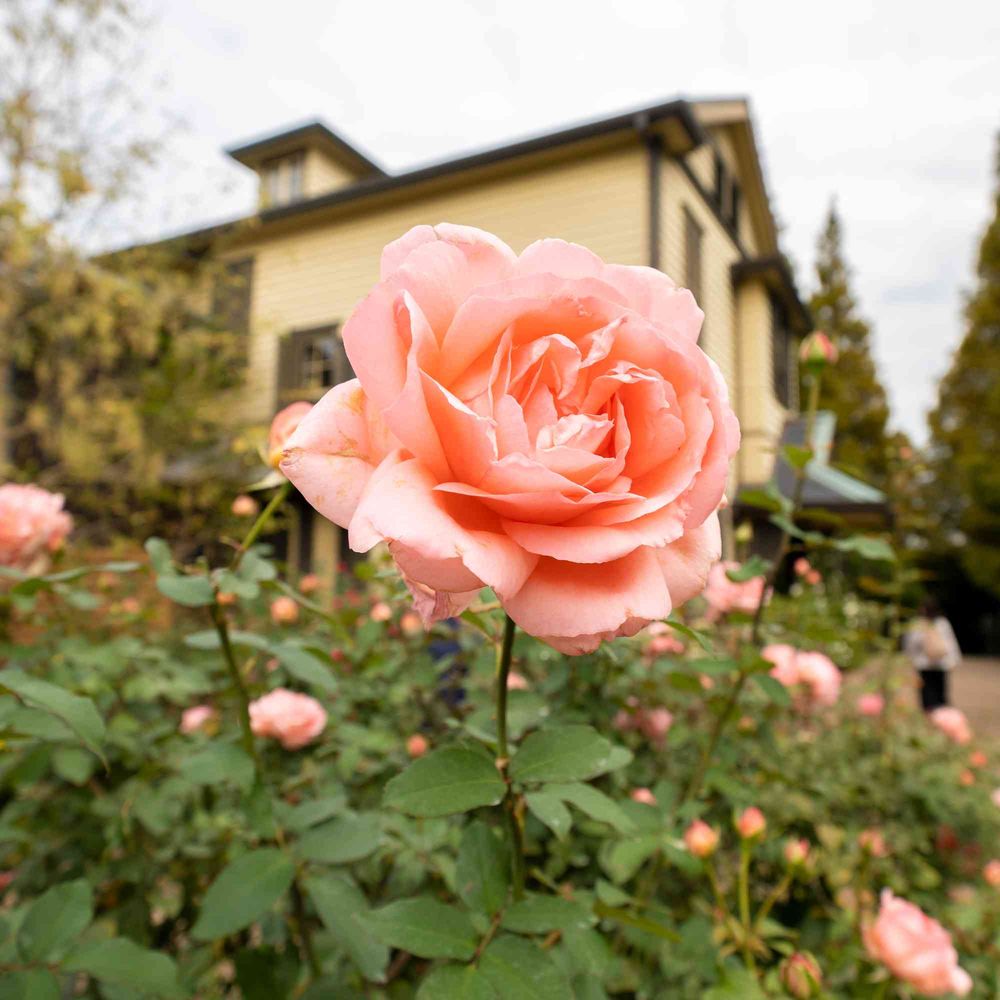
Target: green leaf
point(349, 838)
point(122, 962)
point(30, 984)
point(769, 498)
point(754, 566)
point(525, 710)
point(551, 812)
point(159, 556)
point(456, 982)
point(520, 970)
point(699, 637)
point(78, 713)
point(622, 859)
point(773, 688)
point(868, 547)
point(221, 763)
point(344, 911)
point(299, 818)
point(305, 667)
point(247, 888)
point(209, 639)
point(425, 928)
point(482, 873)
point(55, 919)
point(595, 804)
point(450, 780)
point(255, 567)
point(73, 765)
point(190, 591)
point(561, 753)
point(266, 973)
point(229, 583)
point(539, 914)
point(797, 456)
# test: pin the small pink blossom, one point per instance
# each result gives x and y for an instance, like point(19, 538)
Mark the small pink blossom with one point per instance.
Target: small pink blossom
point(801, 566)
point(245, 506)
point(411, 623)
point(751, 823)
point(915, 948)
point(700, 839)
point(32, 522)
point(814, 673)
point(380, 612)
point(291, 718)
point(953, 723)
point(871, 704)
point(283, 426)
point(991, 873)
point(655, 723)
point(197, 717)
point(417, 745)
point(801, 975)
point(725, 595)
point(517, 682)
point(978, 759)
point(814, 578)
point(310, 583)
point(284, 611)
point(873, 842)
point(796, 852)
point(643, 795)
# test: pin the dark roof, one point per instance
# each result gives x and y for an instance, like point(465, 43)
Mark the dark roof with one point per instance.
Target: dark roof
point(778, 276)
point(314, 133)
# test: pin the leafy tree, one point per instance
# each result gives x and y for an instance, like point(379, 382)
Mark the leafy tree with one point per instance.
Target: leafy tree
point(110, 363)
point(965, 425)
point(851, 389)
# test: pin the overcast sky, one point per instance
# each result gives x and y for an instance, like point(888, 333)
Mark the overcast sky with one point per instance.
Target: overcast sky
point(892, 107)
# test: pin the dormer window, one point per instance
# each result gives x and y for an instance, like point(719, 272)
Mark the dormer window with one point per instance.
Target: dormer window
point(282, 179)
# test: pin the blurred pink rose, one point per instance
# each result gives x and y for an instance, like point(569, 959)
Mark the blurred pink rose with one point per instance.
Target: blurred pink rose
point(967, 778)
point(801, 975)
point(284, 611)
point(796, 852)
point(643, 795)
point(915, 948)
point(291, 718)
point(663, 640)
point(991, 873)
point(417, 745)
point(32, 522)
point(953, 723)
point(725, 595)
point(655, 723)
point(700, 839)
point(283, 426)
point(814, 578)
point(380, 612)
point(872, 841)
point(978, 759)
point(544, 424)
point(815, 674)
point(245, 506)
point(801, 566)
point(411, 624)
point(517, 682)
point(310, 583)
point(871, 704)
point(197, 717)
point(751, 823)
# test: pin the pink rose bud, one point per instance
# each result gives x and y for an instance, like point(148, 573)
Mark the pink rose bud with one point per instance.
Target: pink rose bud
point(801, 975)
point(468, 476)
point(746, 724)
point(411, 624)
point(967, 778)
point(706, 682)
point(871, 704)
point(197, 717)
point(245, 506)
point(131, 606)
point(814, 578)
point(517, 682)
point(284, 611)
point(991, 872)
point(225, 598)
point(873, 842)
point(915, 948)
point(272, 664)
point(724, 595)
point(32, 523)
point(953, 723)
point(291, 718)
point(700, 839)
point(643, 795)
point(380, 612)
point(751, 823)
point(796, 852)
point(624, 721)
point(417, 745)
point(801, 566)
point(283, 426)
point(310, 583)
point(978, 759)
point(655, 723)
point(338, 655)
point(817, 351)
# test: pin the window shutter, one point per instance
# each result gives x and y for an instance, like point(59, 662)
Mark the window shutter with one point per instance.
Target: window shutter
point(692, 255)
point(288, 367)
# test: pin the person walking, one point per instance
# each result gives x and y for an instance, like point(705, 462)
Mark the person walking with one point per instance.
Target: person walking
point(932, 648)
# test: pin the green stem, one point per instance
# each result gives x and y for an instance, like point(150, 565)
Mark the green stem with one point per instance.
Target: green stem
point(744, 898)
point(779, 890)
point(239, 688)
point(509, 804)
point(302, 925)
point(258, 526)
point(694, 785)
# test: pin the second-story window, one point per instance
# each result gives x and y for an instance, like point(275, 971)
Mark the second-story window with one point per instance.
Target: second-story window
point(282, 179)
point(311, 361)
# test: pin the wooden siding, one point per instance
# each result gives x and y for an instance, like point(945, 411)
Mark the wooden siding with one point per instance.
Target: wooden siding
point(323, 174)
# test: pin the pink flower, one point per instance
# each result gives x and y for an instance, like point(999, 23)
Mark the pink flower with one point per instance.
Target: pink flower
point(953, 723)
point(725, 595)
point(814, 578)
point(801, 566)
point(417, 745)
point(643, 795)
point(785, 660)
point(817, 350)
point(871, 704)
point(978, 759)
point(245, 506)
point(700, 839)
point(991, 873)
point(816, 674)
point(197, 717)
point(543, 424)
point(517, 682)
point(801, 975)
point(411, 624)
point(655, 723)
point(32, 522)
point(225, 598)
point(796, 852)
point(873, 843)
point(915, 948)
point(291, 718)
point(284, 611)
point(751, 823)
point(283, 426)
point(967, 778)
point(662, 640)
point(380, 612)
point(310, 583)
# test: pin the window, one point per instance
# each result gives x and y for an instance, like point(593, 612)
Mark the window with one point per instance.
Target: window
point(693, 234)
point(720, 178)
point(735, 200)
point(781, 353)
point(282, 179)
point(231, 295)
point(310, 362)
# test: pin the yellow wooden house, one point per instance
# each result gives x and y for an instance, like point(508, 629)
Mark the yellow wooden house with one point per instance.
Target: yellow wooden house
point(678, 186)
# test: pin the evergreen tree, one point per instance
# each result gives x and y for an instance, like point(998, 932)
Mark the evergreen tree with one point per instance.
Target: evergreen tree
point(851, 389)
point(965, 426)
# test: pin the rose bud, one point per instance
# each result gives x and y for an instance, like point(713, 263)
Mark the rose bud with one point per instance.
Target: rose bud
point(700, 839)
point(291, 718)
point(871, 704)
point(283, 427)
point(801, 566)
point(801, 975)
point(647, 798)
point(991, 873)
point(796, 852)
point(284, 611)
point(814, 578)
point(872, 842)
point(751, 823)
point(380, 612)
point(817, 351)
point(225, 598)
point(417, 745)
point(245, 506)
point(197, 717)
point(655, 723)
point(967, 778)
point(310, 583)
point(978, 759)
point(517, 682)
point(411, 624)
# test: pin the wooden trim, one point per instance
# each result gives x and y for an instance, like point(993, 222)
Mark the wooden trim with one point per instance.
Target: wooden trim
point(654, 161)
point(713, 205)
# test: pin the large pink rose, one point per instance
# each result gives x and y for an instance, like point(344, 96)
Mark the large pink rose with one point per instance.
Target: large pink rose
point(32, 522)
point(291, 718)
point(814, 674)
point(725, 595)
point(915, 948)
point(543, 424)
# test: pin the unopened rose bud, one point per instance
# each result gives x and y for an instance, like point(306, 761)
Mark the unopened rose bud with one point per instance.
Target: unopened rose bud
point(310, 583)
point(872, 842)
point(801, 566)
point(417, 745)
point(245, 506)
point(991, 873)
point(517, 682)
point(796, 852)
point(700, 839)
point(284, 611)
point(976, 759)
point(643, 795)
point(814, 578)
point(801, 975)
point(411, 623)
point(967, 779)
point(380, 612)
point(225, 598)
point(751, 823)
point(817, 351)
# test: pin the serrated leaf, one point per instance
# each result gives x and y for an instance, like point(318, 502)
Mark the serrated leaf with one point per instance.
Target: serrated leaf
point(305, 667)
point(456, 982)
point(220, 763)
point(595, 804)
point(426, 928)
point(123, 962)
point(245, 889)
point(57, 917)
point(346, 839)
point(344, 910)
point(189, 591)
point(551, 811)
point(561, 753)
point(482, 873)
point(539, 914)
point(520, 970)
point(450, 780)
